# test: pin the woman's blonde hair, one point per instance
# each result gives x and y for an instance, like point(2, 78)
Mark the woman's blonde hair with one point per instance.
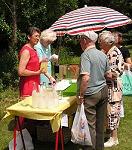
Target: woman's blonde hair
point(48, 34)
point(107, 37)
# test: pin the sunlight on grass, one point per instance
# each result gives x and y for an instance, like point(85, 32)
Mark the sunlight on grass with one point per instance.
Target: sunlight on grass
point(124, 134)
point(125, 129)
point(5, 135)
point(71, 91)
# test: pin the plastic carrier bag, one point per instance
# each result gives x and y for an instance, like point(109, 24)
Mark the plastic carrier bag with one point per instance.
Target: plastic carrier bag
point(80, 133)
point(127, 82)
point(19, 145)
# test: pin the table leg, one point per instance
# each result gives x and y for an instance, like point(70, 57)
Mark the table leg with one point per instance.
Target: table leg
point(20, 129)
point(14, 137)
point(62, 138)
point(59, 133)
point(56, 140)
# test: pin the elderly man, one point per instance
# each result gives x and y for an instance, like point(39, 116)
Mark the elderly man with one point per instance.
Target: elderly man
point(92, 88)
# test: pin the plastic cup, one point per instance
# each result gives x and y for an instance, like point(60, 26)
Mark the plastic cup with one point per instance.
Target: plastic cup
point(60, 95)
point(44, 66)
point(35, 97)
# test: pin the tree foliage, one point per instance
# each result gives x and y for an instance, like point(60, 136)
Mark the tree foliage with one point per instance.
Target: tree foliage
point(17, 15)
point(20, 14)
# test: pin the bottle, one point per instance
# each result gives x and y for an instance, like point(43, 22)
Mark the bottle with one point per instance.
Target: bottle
point(35, 96)
point(42, 96)
point(49, 95)
point(55, 97)
point(44, 85)
point(44, 64)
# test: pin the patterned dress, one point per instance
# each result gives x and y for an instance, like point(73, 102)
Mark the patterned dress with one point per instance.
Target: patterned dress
point(116, 63)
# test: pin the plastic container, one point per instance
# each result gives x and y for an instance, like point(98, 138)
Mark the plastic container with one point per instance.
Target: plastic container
point(45, 97)
point(44, 66)
point(35, 96)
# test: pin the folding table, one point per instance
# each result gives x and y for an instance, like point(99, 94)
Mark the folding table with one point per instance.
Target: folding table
point(24, 109)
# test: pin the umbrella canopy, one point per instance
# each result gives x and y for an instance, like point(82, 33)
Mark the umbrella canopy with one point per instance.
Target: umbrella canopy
point(89, 18)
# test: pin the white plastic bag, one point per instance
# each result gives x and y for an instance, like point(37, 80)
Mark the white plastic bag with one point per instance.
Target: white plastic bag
point(80, 133)
point(122, 109)
point(19, 145)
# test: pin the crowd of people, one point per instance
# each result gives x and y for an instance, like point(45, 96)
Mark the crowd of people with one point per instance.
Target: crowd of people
point(91, 82)
point(99, 84)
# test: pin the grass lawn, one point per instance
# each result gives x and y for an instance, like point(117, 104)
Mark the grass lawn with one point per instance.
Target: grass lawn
point(125, 130)
point(7, 98)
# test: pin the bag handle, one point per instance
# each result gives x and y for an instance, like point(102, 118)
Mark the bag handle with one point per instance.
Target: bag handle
point(128, 66)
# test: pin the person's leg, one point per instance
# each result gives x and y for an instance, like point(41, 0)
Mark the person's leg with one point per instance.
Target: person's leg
point(113, 140)
point(114, 135)
point(100, 119)
point(114, 119)
point(91, 104)
point(107, 134)
point(90, 110)
point(122, 109)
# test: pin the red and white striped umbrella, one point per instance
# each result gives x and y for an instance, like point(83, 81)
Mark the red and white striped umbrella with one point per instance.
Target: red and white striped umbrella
point(89, 18)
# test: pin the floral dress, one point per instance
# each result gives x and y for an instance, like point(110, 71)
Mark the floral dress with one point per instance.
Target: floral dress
point(116, 63)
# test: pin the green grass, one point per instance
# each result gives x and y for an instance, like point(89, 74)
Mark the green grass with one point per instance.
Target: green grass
point(7, 98)
point(71, 91)
point(124, 134)
point(125, 129)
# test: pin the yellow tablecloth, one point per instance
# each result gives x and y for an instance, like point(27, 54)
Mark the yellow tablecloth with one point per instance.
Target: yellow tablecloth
point(24, 109)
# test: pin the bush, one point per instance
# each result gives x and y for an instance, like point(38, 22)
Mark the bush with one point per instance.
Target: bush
point(8, 65)
point(68, 49)
point(7, 98)
point(66, 58)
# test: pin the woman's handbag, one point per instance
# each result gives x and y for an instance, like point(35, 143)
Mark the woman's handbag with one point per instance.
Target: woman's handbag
point(80, 133)
point(127, 82)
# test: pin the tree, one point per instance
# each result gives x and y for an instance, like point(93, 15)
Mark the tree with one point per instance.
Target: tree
point(57, 8)
point(32, 13)
point(17, 15)
point(81, 3)
point(11, 7)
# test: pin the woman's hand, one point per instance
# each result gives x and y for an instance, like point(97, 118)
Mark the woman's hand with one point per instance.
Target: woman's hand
point(44, 59)
point(127, 66)
point(52, 80)
point(54, 58)
point(80, 100)
point(114, 75)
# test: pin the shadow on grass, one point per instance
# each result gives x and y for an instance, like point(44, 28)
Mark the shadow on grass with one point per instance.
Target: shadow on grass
point(6, 148)
point(11, 125)
point(50, 146)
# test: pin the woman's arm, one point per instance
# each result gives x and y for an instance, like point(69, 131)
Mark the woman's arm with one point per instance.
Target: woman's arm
point(51, 79)
point(117, 62)
point(22, 71)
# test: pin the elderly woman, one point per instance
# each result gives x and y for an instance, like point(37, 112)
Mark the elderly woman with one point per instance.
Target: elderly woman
point(116, 62)
point(43, 48)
